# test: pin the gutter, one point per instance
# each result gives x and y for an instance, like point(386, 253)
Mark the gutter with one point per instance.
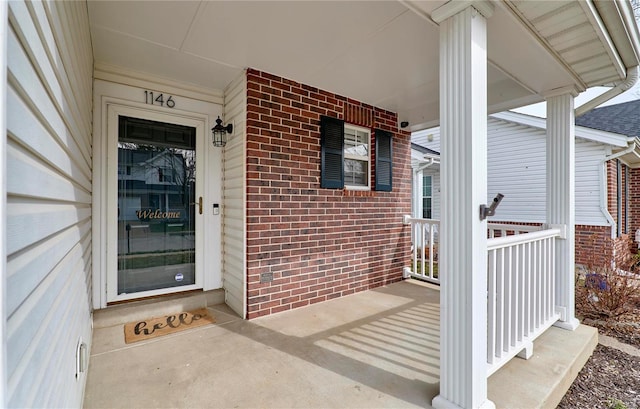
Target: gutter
point(630, 81)
point(424, 165)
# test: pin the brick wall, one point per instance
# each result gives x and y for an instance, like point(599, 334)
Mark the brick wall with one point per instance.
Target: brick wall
point(623, 247)
point(634, 202)
point(594, 247)
point(306, 244)
point(612, 195)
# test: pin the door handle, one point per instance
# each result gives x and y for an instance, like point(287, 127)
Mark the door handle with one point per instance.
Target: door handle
point(199, 203)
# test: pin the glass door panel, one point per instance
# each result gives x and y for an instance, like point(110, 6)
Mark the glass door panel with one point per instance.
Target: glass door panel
point(156, 205)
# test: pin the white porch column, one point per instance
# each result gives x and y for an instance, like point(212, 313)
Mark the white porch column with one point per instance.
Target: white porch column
point(463, 236)
point(561, 198)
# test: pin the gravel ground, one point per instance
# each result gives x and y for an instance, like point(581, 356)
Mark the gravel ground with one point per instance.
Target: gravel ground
point(610, 379)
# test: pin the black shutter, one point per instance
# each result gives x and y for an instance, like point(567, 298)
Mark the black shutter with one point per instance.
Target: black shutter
point(332, 147)
point(384, 160)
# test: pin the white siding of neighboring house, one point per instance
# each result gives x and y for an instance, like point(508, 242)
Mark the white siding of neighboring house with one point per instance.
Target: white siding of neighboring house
point(516, 168)
point(48, 307)
point(233, 230)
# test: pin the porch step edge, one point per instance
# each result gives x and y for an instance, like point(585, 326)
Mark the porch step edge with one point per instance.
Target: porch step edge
point(543, 380)
point(155, 307)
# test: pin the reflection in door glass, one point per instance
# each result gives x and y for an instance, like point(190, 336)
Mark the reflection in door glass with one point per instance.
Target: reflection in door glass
point(156, 192)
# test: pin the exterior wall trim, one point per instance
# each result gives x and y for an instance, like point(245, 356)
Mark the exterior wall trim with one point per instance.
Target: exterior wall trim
point(112, 73)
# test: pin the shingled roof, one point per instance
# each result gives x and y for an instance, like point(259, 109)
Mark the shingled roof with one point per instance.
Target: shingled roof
point(422, 149)
point(622, 118)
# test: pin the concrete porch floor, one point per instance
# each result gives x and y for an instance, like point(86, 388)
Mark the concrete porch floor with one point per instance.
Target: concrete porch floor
point(374, 349)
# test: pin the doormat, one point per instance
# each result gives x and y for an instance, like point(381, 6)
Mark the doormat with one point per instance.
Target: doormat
point(156, 327)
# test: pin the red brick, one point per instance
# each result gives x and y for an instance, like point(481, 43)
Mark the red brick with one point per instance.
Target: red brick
point(320, 243)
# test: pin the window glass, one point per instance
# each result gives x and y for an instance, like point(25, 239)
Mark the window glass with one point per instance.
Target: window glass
point(356, 157)
point(426, 197)
point(156, 212)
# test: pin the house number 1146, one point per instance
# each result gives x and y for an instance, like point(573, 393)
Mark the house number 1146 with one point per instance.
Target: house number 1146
point(152, 98)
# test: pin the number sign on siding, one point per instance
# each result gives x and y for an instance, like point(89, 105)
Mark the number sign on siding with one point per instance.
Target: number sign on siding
point(158, 98)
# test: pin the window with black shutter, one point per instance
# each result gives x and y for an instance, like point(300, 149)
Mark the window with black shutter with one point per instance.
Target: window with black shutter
point(346, 156)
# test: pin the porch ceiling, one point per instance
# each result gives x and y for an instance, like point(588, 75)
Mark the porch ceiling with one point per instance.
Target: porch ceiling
point(382, 52)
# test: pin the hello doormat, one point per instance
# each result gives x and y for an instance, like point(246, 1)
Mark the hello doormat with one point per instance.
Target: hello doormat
point(156, 327)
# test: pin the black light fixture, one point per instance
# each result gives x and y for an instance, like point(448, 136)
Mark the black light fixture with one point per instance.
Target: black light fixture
point(219, 133)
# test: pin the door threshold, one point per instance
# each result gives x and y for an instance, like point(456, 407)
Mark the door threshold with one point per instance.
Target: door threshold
point(154, 297)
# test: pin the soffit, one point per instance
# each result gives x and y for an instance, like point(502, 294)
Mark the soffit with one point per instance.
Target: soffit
point(575, 34)
point(379, 52)
point(631, 155)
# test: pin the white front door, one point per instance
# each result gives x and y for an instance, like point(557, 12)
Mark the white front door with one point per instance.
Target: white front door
point(155, 223)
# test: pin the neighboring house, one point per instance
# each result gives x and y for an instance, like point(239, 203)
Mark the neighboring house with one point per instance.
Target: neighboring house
point(604, 165)
point(306, 201)
point(623, 173)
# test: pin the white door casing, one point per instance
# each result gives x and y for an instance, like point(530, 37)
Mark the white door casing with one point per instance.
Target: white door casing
point(112, 100)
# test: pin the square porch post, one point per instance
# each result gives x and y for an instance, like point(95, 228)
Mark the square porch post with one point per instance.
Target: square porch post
point(463, 235)
point(561, 198)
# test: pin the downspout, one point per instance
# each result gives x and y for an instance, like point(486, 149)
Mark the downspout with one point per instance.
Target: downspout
point(604, 193)
point(630, 81)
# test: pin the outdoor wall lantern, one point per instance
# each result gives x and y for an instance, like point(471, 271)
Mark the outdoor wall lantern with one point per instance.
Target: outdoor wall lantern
point(219, 133)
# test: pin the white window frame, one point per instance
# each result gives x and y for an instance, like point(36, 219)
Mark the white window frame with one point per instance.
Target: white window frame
point(346, 155)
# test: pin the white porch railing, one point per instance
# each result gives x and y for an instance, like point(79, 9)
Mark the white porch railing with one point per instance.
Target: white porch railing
point(521, 293)
point(520, 283)
point(424, 236)
point(505, 229)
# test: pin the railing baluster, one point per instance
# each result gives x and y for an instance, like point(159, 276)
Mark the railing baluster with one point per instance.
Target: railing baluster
point(545, 276)
point(508, 299)
point(553, 275)
point(414, 240)
point(515, 302)
point(527, 292)
point(491, 306)
point(499, 302)
point(431, 254)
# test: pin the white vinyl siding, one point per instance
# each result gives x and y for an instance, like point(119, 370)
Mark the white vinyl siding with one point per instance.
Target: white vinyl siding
point(428, 138)
point(234, 224)
point(49, 172)
point(517, 169)
point(589, 183)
